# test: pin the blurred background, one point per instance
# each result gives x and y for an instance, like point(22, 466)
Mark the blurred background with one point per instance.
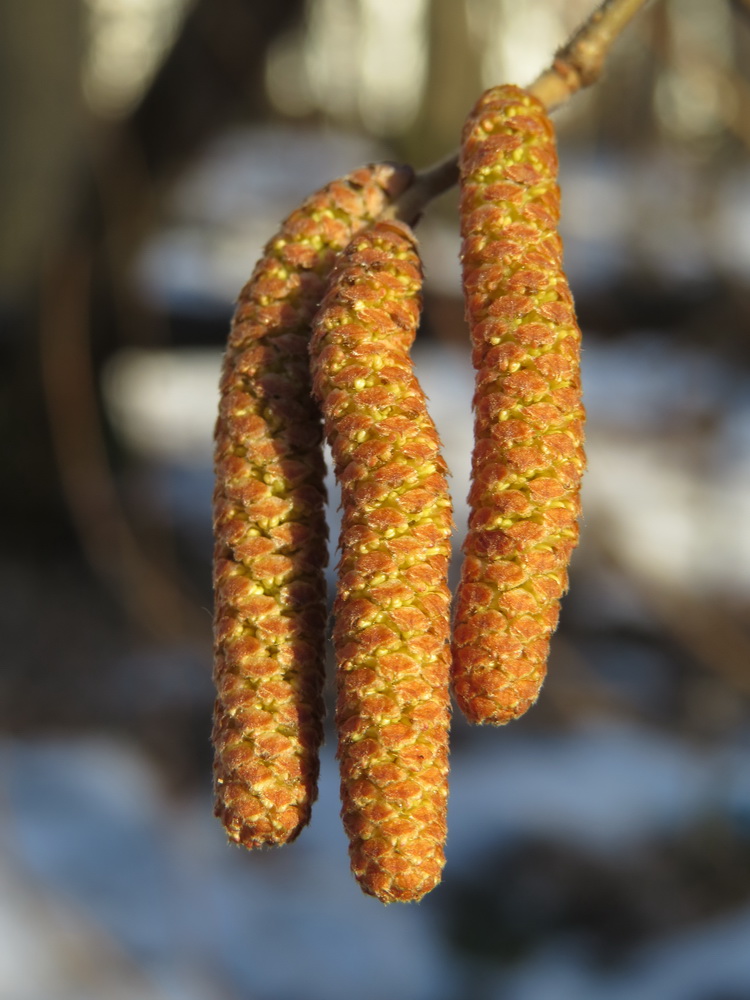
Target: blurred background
point(599, 848)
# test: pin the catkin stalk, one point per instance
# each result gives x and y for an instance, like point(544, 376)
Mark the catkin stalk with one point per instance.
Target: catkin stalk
point(391, 628)
point(528, 457)
point(269, 521)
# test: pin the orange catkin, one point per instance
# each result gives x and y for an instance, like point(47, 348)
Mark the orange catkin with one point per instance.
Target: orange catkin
point(528, 456)
point(391, 629)
point(269, 521)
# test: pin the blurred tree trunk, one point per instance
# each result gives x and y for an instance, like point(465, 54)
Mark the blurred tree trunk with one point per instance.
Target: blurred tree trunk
point(41, 42)
point(453, 81)
point(77, 196)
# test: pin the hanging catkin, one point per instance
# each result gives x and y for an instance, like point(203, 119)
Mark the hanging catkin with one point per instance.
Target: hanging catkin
point(392, 609)
point(528, 455)
point(269, 521)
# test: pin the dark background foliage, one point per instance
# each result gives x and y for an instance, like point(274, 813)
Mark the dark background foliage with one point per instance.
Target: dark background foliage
point(599, 847)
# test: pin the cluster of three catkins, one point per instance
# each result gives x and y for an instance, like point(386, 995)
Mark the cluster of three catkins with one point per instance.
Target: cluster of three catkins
point(324, 327)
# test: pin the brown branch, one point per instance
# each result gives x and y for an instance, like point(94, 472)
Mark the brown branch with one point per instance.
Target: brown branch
point(576, 65)
point(579, 63)
point(426, 186)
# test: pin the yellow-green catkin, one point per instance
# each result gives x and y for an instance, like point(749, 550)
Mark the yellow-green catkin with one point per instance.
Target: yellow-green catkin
point(528, 456)
point(269, 521)
point(391, 632)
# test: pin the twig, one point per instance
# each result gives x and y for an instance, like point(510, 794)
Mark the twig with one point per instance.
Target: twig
point(428, 184)
point(579, 63)
point(576, 65)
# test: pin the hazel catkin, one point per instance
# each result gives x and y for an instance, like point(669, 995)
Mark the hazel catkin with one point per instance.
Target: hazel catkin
point(391, 633)
point(269, 522)
point(528, 456)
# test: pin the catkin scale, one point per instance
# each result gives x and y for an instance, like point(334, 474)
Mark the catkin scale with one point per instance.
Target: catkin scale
point(391, 632)
point(528, 457)
point(269, 521)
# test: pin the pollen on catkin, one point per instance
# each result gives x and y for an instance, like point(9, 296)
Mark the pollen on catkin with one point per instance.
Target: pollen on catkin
point(528, 455)
point(269, 521)
point(391, 632)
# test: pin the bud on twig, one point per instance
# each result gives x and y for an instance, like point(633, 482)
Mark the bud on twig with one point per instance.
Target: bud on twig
point(269, 522)
point(392, 610)
point(528, 456)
